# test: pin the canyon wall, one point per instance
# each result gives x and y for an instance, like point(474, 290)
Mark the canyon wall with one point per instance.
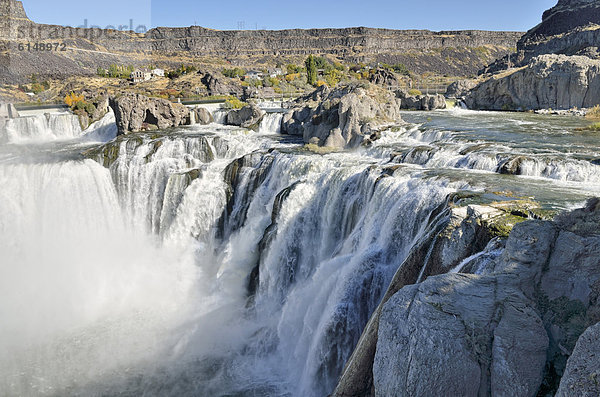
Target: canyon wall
point(447, 52)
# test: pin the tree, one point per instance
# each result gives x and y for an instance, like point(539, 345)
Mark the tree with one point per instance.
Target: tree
point(311, 70)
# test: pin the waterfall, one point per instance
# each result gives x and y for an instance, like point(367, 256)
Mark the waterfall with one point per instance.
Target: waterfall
point(41, 128)
point(102, 130)
point(271, 123)
point(220, 116)
point(219, 261)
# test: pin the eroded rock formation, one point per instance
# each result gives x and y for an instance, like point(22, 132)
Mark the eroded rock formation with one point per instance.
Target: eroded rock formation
point(135, 112)
point(548, 81)
point(343, 117)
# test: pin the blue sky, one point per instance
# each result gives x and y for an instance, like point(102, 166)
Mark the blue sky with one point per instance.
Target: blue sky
point(516, 15)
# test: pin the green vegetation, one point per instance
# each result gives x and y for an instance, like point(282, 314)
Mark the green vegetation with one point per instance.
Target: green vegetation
point(311, 70)
point(234, 73)
point(399, 68)
point(116, 71)
point(294, 69)
point(414, 92)
point(182, 70)
point(234, 103)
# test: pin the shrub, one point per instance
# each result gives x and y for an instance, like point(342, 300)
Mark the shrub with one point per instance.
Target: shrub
point(233, 73)
point(234, 103)
point(593, 113)
point(291, 77)
point(594, 127)
point(414, 92)
point(320, 83)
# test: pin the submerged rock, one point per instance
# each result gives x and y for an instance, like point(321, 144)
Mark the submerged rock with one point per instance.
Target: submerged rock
point(135, 112)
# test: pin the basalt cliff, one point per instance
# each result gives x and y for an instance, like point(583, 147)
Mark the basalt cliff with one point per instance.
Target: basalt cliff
point(452, 52)
point(557, 64)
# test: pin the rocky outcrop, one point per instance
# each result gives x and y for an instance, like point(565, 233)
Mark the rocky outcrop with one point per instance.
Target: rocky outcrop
point(134, 113)
point(460, 89)
point(384, 77)
point(582, 376)
point(247, 117)
point(421, 102)
point(548, 81)
point(343, 117)
point(218, 84)
point(567, 28)
point(458, 230)
point(460, 335)
point(508, 330)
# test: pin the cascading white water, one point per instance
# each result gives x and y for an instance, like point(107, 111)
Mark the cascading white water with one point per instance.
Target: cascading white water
point(102, 130)
point(211, 261)
point(271, 123)
point(41, 128)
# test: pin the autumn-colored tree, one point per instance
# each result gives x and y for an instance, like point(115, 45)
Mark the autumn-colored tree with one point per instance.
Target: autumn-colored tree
point(72, 99)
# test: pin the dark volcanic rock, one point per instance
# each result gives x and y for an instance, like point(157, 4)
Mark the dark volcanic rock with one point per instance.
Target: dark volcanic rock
point(134, 113)
point(582, 376)
point(384, 77)
point(247, 117)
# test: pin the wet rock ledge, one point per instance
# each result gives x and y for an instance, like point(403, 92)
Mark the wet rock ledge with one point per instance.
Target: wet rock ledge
point(510, 320)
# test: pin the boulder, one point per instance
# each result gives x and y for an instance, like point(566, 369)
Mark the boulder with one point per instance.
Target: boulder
point(582, 376)
point(249, 116)
point(342, 117)
point(421, 102)
point(135, 112)
point(548, 81)
point(203, 116)
point(508, 330)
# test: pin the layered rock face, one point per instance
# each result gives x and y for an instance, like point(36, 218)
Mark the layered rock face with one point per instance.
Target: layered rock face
point(571, 29)
point(548, 81)
point(134, 113)
point(507, 328)
point(420, 50)
point(568, 28)
point(341, 118)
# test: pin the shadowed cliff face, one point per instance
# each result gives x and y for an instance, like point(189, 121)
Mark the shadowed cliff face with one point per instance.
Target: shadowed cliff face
point(449, 52)
point(569, 28)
